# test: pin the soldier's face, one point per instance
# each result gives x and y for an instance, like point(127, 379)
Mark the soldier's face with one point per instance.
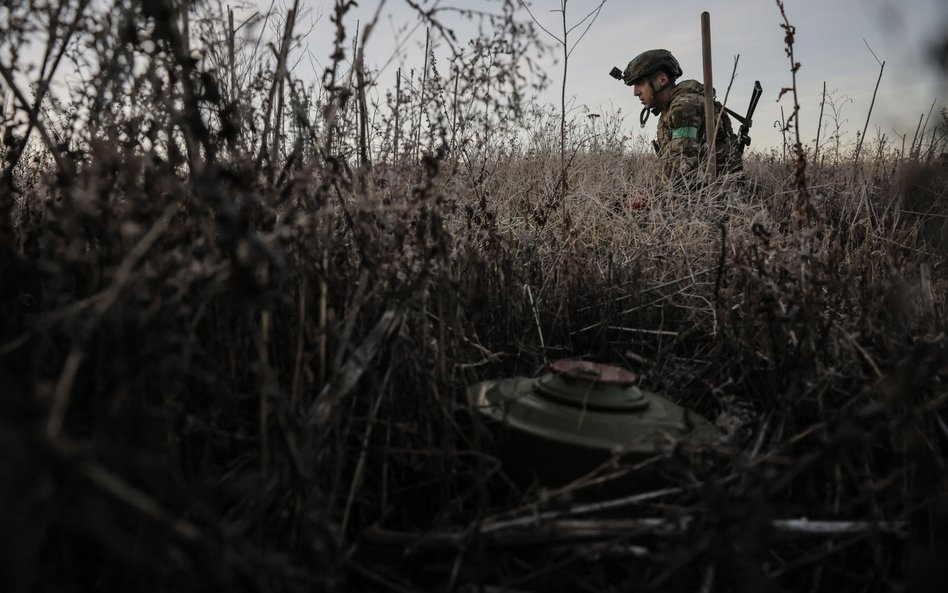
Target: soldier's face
point(643, 91)
point(646, 92)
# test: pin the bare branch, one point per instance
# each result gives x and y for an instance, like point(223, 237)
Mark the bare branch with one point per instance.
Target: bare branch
point(537, 23)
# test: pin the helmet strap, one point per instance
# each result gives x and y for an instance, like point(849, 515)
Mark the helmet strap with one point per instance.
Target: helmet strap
point(656, 91)
point(643, 117)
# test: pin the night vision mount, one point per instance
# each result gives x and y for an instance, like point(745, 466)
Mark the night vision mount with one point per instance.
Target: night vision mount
point(616, 73)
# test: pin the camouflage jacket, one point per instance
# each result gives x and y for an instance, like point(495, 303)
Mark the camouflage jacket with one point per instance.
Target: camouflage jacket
point(681, 134)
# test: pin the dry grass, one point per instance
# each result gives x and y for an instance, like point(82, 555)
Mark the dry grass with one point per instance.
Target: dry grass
point(222, 372)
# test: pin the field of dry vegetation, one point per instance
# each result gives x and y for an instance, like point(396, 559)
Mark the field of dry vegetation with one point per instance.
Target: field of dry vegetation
point(238, 313)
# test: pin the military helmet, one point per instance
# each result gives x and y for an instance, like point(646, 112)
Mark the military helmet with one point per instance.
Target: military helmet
point(648, 63)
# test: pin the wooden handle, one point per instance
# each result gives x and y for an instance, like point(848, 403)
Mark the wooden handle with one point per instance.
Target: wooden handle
point(708, 93)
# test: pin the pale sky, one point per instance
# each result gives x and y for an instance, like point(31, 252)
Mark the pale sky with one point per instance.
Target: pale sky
point(831, 46)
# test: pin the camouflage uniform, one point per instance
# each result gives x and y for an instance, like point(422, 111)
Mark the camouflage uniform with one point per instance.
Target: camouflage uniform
point(681, 129)
point(681, 135)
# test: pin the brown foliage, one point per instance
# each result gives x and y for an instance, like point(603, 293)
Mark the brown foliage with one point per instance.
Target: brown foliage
point(221, 369)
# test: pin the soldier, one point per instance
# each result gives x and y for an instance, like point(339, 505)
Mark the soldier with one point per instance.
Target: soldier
point(681, 129)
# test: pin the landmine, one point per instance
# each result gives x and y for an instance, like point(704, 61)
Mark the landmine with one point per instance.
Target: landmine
point(577, 415)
